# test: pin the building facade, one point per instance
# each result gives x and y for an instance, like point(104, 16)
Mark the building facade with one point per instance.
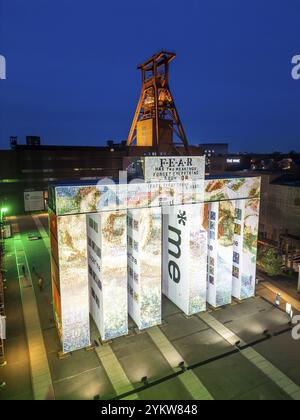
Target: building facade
point(27, 170)
point(30, 169)
point(280, 206)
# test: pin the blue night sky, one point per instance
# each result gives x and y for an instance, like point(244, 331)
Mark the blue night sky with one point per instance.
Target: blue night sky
point(72, 78)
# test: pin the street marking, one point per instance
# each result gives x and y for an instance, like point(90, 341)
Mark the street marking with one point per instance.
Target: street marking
point(189, 379)
point(40, 371)
point(68, 378)
point(114, 369)
point(44, 234)
point(271, 371)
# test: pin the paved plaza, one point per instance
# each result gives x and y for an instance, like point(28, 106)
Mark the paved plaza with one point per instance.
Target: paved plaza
point(264, 364)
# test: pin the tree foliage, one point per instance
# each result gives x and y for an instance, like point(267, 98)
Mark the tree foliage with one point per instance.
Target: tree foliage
point(269, 261)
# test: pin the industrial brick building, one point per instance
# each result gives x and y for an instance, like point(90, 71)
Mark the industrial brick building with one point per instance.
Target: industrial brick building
point(280, 206)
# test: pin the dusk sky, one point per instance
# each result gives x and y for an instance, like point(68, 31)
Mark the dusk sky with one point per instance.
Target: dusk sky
point(72, 78)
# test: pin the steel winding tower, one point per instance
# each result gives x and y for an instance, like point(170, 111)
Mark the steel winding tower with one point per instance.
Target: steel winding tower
point(156, 119)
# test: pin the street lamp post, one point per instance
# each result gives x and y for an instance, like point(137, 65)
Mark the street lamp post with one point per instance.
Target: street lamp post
point(3, 211)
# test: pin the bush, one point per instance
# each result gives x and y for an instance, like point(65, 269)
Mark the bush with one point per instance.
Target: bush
point(269, 261)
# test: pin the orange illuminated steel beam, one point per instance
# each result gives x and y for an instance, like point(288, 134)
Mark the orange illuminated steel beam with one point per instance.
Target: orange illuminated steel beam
point(156, 118)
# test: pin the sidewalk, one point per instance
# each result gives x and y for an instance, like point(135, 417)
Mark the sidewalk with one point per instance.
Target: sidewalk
point(286, 298)
point(269, 287)
point(16, 374)
point(36, 372)
point(40, 371)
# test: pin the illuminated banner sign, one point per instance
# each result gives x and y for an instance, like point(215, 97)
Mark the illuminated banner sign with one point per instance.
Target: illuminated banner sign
point(184, 238)
point(233, 160)
point(170, 169)
point(223, 189)
point(73, 282)
point(102, 266)
point(96, 197)
point(185, 258)
point(144, 267)
point(245, 248)
point(107, 266)
point(34, 201)
point(221, 218)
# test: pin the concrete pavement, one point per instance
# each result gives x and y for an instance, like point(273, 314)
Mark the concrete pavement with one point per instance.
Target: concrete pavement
point(40, 372)
point(16, 374)
point(110, 369)
point(273, 373)
point(189, 380)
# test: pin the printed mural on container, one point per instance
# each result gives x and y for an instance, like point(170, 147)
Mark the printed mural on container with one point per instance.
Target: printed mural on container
point(73, 279)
